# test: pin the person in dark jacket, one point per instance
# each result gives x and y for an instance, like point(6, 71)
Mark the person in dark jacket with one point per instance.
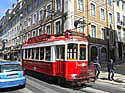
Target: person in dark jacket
point(97, 66)
point(110, 67)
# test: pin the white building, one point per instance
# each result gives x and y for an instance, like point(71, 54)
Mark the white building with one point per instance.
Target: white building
point(119, 12)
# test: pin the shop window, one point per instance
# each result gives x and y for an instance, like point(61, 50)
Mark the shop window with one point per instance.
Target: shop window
point(48, 53)
point(60, 52)
point(82, 52)
point(41, 53)
point(72, 52)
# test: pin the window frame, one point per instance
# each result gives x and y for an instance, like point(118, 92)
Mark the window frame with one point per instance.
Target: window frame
point(81, 4)
point(95, 32)
point(92, 11)
point(102, 18)
point(68, 52)
point(110, 18)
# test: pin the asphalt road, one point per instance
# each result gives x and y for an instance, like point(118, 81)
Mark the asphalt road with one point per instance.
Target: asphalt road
point(35, 85)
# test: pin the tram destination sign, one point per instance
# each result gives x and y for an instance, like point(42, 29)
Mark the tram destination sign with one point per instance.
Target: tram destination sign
point(37, 39)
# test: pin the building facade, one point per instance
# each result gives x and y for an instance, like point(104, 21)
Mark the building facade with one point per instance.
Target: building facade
point(29, 18)
point(119, 12)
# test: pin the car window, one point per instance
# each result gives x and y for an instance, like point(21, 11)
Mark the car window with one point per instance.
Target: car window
point(0, 69)
point(11, 67)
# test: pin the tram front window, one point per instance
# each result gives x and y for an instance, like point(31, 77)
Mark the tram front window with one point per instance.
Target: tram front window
point(72, 51)
point(60, 52)
point(82, 52)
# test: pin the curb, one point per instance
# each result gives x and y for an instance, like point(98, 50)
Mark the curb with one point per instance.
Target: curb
point(121, 84)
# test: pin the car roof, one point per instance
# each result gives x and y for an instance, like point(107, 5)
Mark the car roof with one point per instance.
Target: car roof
point(6, 62)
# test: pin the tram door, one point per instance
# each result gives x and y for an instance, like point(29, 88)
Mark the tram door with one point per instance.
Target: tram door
point(60, 56)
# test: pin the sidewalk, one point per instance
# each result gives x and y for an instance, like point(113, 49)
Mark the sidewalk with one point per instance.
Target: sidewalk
point(119, 79)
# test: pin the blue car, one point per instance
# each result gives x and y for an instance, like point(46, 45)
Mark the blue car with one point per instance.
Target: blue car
point(11, 75)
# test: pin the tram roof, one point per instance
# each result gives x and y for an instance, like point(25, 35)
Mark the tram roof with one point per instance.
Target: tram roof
point(49, 40)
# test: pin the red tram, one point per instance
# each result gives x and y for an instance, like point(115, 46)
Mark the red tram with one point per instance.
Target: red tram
point(63, 57)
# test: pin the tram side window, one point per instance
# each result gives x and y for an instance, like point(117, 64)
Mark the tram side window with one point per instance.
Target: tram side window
point(60, 52)
point(82, 52)
point(37, 53)
point(41, 53)
point(26, 53)
point(48, 53)
point(33, 53)
point(29, 53)
point(72, 52)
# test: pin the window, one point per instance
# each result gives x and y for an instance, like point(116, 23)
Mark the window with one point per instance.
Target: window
point(26, 51)
point(30, 8)
point(80, 27)
point(35, 3)
point(34, 18)
point(110, 18)
point(72, 52)
point(48, 53)
point(29, 21)
point(39, 31)
point(103, 33)
point(42, 1)
point(58, 5)
point(48, 29)
point(58, 27)
point(34, 33)
point(117, 1)
point(123, 20)
point(82, 52)
point(102, 14)
point(110, 2)
point(28, 35)
point(93, 31)
point(111, 36)
point(60, 52)
point(33, 53)
point(40, 14)
point(48, 10)
point(41, 53)
point(81, 4)
point(118, 17)
point(123, 6)
point(93, 12)
point(37, 53)
point(29, 53)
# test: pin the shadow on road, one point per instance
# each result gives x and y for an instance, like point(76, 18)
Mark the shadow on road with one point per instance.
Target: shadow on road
point(119, 81)
point(10, 89)
point(44, 78)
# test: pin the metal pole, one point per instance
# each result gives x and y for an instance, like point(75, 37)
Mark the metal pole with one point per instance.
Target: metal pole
point(107, 29)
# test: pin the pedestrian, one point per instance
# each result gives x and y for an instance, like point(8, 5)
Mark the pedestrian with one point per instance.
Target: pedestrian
point(110, 67)
point(97, 66)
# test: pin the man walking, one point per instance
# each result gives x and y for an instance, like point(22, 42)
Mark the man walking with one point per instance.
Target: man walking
point(110, 67)
point(97, 65)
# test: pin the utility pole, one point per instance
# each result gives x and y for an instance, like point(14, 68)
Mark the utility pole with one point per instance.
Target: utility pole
point(107, 30)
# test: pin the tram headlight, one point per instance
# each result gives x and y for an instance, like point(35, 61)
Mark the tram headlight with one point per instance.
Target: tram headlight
point(74, 76)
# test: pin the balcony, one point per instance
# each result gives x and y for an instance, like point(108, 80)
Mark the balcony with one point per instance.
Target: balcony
point(97, 40)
